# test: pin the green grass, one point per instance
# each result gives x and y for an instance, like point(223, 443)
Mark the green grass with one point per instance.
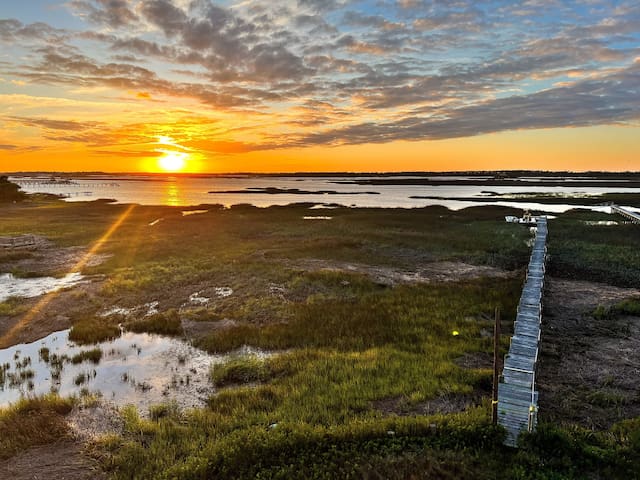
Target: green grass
point(317, 396)
point(629, 306)
point(13, 306)
point(240, 369)
point(601, 253)
point(93, 356)
point(31, 422)
point(166, 323)
point(93, 330)
point(409, 316)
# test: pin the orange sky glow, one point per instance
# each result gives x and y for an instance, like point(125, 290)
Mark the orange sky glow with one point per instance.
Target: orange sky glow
point(211, 86)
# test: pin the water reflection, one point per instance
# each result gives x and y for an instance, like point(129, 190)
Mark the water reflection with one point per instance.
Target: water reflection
point(11, 286)
point(173, 193)
point(139, 369)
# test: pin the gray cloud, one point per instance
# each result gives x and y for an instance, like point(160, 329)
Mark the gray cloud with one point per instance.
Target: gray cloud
point(428, 69)
point(612, 99)
point(52, 124)
point(114, 13)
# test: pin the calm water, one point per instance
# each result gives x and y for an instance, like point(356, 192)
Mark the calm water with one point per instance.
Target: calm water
point(137, 368)
point(11, 286)
point(195, 191)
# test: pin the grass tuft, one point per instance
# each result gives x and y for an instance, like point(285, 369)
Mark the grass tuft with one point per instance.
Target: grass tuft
point(239, 370)
point(165, 323)
point(94, 356)
point(31, 422)
point(93, 330)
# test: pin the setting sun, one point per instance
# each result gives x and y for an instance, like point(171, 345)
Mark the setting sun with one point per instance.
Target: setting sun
point(172, 161)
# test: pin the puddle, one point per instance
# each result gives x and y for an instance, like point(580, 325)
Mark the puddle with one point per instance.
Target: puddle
point(197, 299)
point(186, 213)
point(139, 369)
point(325, 206)
point(317, 218)
point(11, 286)
point(117, 311)
point(600, 222)
point(145, 310)
point(152, 308)
point(223, 291)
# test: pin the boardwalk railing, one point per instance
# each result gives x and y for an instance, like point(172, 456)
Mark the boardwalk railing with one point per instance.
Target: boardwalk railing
point(633, 216)
point(517, 395)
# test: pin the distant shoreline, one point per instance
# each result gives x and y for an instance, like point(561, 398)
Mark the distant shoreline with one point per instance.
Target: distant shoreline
point(494, 175)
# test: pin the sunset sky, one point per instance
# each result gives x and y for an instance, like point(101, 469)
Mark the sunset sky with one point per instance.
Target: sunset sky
point(319, 85)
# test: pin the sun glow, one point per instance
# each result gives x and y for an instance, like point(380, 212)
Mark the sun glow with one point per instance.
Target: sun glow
point(172, 161)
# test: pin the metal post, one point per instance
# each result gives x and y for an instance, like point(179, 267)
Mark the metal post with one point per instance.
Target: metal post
point(496, 361)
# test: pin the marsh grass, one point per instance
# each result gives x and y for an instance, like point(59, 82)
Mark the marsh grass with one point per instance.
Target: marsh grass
point(93, 330)
point(407, 315)
point(166, 323)
point(13, 306)
point(240, 369)
point(31, 422)
point(93, 356)
point(343, 346)
point(601, 253)
point(630, 306)
point(312, 413)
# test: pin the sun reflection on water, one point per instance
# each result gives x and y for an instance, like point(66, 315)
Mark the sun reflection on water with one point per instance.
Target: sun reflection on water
point(173, 193)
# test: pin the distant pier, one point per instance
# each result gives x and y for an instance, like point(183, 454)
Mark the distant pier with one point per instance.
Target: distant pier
point(517, 394)
point(633, 216)
point(63, 183)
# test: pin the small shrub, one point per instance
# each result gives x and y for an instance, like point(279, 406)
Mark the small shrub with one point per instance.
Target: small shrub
point(166, 323)
point(94, 356)
point(93, 331)
point(164, 410)
point(81, 378)
point(30, 422)
point(239, 370)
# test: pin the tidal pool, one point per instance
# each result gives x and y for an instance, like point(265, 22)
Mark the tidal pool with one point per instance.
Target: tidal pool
point(11, 286)
point(139, 369)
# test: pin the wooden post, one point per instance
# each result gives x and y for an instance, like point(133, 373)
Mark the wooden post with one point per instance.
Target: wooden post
point(496, 367)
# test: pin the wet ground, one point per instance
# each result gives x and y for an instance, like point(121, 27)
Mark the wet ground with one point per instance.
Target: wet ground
point(11, 286)
point(589, 367)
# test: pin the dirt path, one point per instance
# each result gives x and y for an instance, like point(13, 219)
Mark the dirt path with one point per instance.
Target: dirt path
point(589, 368)
point(61, 461)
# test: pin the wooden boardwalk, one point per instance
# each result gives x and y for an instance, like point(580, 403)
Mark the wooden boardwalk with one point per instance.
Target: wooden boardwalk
point(517, 395)
point(633, 216)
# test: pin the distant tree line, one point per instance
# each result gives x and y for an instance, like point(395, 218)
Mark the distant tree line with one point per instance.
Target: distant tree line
point(9, 191)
